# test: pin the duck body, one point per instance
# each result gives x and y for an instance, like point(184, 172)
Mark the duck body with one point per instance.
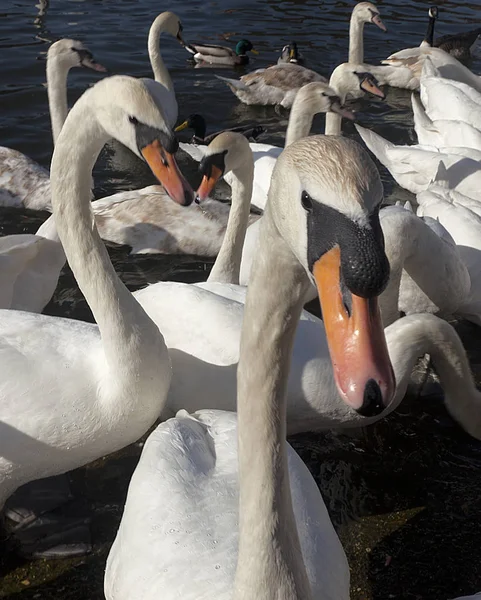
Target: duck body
point(221, 55)
point(278, 84)
point(199, 452)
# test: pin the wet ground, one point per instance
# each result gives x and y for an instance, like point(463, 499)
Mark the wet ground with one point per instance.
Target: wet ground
point(404, 493)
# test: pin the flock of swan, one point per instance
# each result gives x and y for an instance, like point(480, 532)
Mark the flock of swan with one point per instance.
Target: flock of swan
point(220, 506)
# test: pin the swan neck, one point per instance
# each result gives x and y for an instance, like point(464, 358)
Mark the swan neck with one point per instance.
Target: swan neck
point(226, 268)
point(270, 563)
point(161, 74)
point(300, 123)
point(122, 322)
point(57, 74)
point(356, 40)
point(333, 124)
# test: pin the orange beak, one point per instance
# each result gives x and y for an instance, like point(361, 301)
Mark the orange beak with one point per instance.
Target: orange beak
point(359, 355)
point(208, 183)
point(369, 86)
point(164, 167)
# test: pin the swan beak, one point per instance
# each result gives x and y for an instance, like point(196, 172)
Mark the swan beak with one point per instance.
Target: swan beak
point(208, 183)
point(254, 51)
point(357, 345)
point(182, 126)
point(344, 112)
point(164, 167)
point(369, 86)
point(377, 21)
point(95, 66)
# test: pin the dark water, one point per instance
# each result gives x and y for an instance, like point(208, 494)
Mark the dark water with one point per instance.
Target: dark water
point(404, 494)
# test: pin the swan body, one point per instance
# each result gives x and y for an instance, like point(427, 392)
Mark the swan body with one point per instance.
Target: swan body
point(221, 55)
point(455, 212)
point(149, 222)
point(70, 391)
point(187, 482)
point(443, 132)
point(23, 182)
point(272, 557)
point(30, 268)
point(278, 84)
point(415, 167)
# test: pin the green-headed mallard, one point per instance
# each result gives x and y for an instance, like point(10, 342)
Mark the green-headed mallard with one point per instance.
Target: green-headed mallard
point(221, 55)
point(290, 54)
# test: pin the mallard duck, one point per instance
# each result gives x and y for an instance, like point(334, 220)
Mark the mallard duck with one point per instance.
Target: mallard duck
point(222, 55)
point(197, 123)
point(290, 54)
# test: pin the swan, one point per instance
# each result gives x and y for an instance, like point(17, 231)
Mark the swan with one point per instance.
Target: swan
point(197, 123)
point(276, 85)
point(23, 182)
point(363, 12)
point(229, 524)
point(415, 167)
point(221, 55)
point(70, 391)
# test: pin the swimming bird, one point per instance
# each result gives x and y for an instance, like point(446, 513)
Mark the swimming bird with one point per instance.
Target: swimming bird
point(23, 182)
point(197, 123)
point(222, 55)
point(219, 525)
point(71, 391)
point(290, 54)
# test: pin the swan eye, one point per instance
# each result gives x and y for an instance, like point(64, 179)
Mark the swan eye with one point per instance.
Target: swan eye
point(306, 202)
point(133, 120)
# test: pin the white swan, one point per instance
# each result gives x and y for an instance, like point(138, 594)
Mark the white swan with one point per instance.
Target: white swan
point(70, 391)
point(363, 12)
point(23, 182)
point(415, 167)
point(228, 524)
point(455, 212)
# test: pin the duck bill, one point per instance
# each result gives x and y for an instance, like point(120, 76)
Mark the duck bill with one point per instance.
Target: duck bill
point(164, 167)
point(371, 88)
point(182, 126)
point(378, 21)
point(254, 51)
point(362, 369)
point(208, 183)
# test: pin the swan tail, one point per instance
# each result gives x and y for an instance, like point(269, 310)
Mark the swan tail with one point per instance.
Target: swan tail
point(234, 84)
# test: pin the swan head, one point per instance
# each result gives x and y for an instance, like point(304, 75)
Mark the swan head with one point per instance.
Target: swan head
point(324, 200)
point(367, 12)
point(228, 152)
point(317, 97)
point(433, 12)
point(354, 80)
point(72, 53)
point(169, 22)
point(125, 109)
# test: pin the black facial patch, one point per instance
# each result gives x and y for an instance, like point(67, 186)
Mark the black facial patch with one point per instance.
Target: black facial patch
point(364, 265)
point(213, 160)
point(145, 135)
point(83, 54)
point(374, 14)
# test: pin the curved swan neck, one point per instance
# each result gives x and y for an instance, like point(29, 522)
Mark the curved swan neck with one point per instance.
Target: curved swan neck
point(300, 122)
point(333, 124)
point(122, 322)
point(226, 268)
point(270, 564)
point(57, 73)
point(356, 39)
point(161, 74)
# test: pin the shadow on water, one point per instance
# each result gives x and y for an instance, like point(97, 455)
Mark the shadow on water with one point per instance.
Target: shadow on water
point(403, 493)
